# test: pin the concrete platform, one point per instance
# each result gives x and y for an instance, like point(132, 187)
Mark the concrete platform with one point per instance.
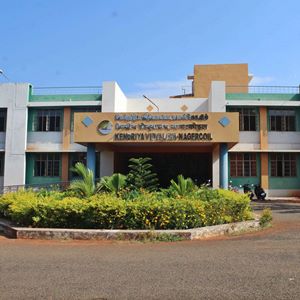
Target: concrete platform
point(114, 234)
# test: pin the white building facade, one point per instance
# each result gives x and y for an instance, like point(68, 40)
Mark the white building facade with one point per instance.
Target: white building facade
point(37, 136)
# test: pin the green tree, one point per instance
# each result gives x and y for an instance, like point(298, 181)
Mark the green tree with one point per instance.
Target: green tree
point(140, 175)
point(85, 186)
point(183, 186)
point(113, 184)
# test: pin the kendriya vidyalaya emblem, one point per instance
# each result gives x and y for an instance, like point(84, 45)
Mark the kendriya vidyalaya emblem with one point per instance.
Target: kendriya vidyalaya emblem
point(105, 127)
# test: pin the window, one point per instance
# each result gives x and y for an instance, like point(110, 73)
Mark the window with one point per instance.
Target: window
point(1, 163)
point(75, 158)
point(48, 120)
point(47, 164)
point(283, 164)
point(2, 120)
point(282, 120)
point(242, 164)
point(247, 118)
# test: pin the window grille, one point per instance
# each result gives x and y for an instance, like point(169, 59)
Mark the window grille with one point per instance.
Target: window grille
point(2, 158)
point(283, 164)
point(242, 164)
point(282, 120)
point(47, 164)
point(2, 120)
point(48, 120)
point(247, 118)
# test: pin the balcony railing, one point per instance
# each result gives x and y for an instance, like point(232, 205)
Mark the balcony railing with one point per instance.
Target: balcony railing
point(67, 90)
point(252, 89)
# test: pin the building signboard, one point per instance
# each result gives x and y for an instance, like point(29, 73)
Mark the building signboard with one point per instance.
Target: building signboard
point(194, 127)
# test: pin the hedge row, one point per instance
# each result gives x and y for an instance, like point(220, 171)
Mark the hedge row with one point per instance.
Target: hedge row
point(105, 211)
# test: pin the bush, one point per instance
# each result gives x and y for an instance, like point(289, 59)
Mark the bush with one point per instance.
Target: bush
point(106, 211)
point(113, 184)
point(183, 186)
point(85, 186)
point(266, 217)
point(140, 175)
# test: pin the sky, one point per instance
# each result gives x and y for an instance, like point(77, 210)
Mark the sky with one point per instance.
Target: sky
point(147, 46)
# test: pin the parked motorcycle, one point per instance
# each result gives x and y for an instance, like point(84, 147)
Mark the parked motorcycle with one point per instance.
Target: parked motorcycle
point(248, 190)
point(233, 188)
point(259, 192)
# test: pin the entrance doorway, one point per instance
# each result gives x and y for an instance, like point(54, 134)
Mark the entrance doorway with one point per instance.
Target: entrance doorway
point(197, 166)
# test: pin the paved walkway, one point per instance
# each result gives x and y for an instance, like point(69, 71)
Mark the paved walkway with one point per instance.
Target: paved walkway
point(263, 265)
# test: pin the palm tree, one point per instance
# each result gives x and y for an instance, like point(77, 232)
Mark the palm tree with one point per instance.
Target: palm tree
point(183, 186)
point(84, 187)
point(114, 183)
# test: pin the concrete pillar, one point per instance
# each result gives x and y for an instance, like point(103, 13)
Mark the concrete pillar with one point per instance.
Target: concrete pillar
point(216, 167)
point(64, 166)
point(216, 98)
point(264, 180)
point(263, 123)
point(15, 97)
point(67, 128)
point(224, 166)
point(91, 158)
point(106, 163)
point(113, 99)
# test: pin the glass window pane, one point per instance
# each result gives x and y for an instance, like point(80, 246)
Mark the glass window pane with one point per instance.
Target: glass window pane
point(56, 168)
point(239, 168)
point(42, 170)
point(279, 168)
point(272, 123)
point(49, 168)
point(51, 123)
point(253, 168)
point(246, 168)
point(232, 168)
point(252, 125)
point(57, 123)
point(2, 120)
point(246, 123)
point(273, 168)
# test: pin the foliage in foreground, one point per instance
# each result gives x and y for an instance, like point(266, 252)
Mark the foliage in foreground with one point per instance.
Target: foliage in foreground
point(105, 211)
point(266, 217)
point(113, 184)
point(183, 186)
point(85, 186)
point(140, 175)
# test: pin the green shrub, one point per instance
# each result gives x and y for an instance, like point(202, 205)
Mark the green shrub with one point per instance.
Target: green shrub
point(106, 211)
point(85, 186)
point(5, 202)
point(183, 186)
point(266, 217)
point(140, 175)
point(206, 193)
point(113, 184)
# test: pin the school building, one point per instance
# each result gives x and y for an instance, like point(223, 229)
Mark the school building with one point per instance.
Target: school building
point(224, 130)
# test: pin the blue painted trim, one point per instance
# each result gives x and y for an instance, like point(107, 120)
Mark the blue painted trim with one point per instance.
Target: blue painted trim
point(224, 166)
point(91, 158)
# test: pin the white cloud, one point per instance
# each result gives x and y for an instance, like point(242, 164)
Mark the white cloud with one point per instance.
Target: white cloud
point(161, 89)
point(257, 80)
